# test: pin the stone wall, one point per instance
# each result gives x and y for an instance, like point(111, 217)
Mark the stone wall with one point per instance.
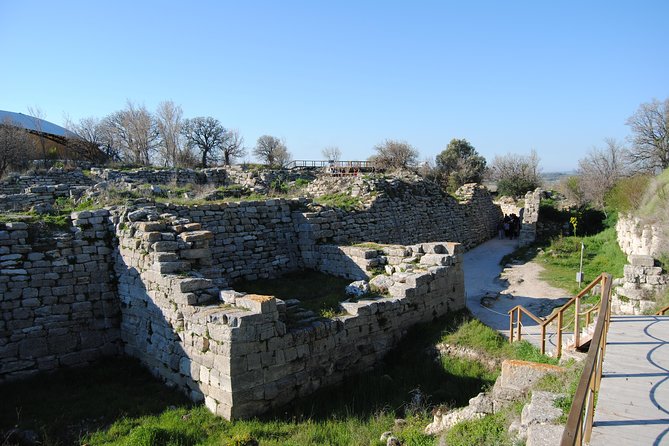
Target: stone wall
point(17, 184)
point(642, 281)
point(242, 355)
point(251, 240)
point(638, 238)
point(57, 296)
point(35, 197)
point(275, 363)
point(530, 216)
point(402, 212)
point(255, 180)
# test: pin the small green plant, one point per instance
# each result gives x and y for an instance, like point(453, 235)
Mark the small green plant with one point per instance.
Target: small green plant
point(340, 200)
point(574, 223)
point(301, 182)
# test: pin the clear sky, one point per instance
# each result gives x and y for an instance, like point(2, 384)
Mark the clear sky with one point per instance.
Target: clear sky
point(508, 76)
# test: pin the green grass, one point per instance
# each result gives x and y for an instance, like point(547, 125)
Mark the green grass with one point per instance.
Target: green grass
point(318, 292)
point(561, 259)
point(662, 300)
point(478, 336)
point(339, 200)
point(490, 430)
point(117, 402)
point(565, 383)
point(62, 405)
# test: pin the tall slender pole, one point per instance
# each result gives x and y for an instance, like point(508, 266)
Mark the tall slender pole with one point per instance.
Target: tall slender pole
point(580, 267)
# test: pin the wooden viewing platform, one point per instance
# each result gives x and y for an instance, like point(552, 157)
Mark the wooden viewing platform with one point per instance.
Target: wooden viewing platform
point(633, 401)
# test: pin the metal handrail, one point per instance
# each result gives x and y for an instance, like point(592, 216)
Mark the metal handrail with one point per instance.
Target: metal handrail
point(328, 163)
point(579, 423)
point(515, 319)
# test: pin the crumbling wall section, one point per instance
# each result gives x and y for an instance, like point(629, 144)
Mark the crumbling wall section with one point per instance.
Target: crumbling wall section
point(276, 363)
point(408, 213)
point(528, 228)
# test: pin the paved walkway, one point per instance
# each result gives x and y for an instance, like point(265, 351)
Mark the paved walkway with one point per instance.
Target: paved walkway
point(633, 402)
point(481, 268)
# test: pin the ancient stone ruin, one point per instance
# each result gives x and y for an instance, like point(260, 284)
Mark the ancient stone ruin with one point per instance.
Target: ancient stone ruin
point(156, 281)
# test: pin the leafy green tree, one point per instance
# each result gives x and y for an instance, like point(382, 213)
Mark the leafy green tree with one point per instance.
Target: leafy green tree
point(459, 163)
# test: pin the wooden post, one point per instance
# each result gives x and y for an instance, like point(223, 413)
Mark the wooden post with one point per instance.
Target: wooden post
point(559, 334)
point(577, 325)
point(520, 323)
point(511, 327)
point(543, 339)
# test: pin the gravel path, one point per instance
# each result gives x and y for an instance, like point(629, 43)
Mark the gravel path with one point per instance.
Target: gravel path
point(502, 289)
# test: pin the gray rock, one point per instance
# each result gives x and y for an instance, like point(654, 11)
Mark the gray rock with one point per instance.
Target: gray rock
point(381, 283)
point(358, 288)
point(544, 435)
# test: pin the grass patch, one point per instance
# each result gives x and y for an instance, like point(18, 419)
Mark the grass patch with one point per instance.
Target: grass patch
point(478, 336)
point(65, 405)
point(490, 430)
point(565, 383)
point(117, 402)
point(339, 200)
point(662, 301)
point(318, 292)
point(561, 259)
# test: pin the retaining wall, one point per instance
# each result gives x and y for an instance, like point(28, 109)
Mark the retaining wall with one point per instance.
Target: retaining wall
point(57, 296)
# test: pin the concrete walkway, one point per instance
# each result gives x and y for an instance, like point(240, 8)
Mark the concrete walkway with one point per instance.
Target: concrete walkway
point(482, 269)
point(633, 402)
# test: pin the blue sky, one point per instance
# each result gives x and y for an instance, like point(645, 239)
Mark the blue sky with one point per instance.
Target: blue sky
point(510, 76)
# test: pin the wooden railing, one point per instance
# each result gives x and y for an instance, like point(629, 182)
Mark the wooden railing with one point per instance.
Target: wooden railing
point(663, 311)
point(579, 422)
point(516, 321)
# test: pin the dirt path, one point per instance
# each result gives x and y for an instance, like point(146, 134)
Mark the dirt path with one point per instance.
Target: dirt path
point(517, 285)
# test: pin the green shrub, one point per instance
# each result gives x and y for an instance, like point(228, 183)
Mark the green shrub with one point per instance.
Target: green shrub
point(627, 194)
point(301, 182)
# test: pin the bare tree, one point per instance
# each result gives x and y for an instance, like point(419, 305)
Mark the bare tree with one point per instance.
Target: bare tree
point(331, 153)
point(233, 146)
point(393, 154)
point(38, 115)
point(14, 144)
point(272, 151)
point(650, 137)
point(169, 123)
point(515, 174)
point(571, 188)
point(600, 170)
point(134, 130)
point(206, 136)
point(87, 141)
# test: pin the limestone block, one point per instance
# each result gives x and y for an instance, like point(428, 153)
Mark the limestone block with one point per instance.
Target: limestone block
point(193, 284)
point(196, 236)
point(198, 253)
point(436, 259)
point(258, 303)
point(641, 260)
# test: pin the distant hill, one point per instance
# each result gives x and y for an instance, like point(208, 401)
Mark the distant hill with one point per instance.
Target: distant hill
point(551, 178)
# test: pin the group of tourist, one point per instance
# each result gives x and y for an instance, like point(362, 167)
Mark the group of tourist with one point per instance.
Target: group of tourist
point(509, 227)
